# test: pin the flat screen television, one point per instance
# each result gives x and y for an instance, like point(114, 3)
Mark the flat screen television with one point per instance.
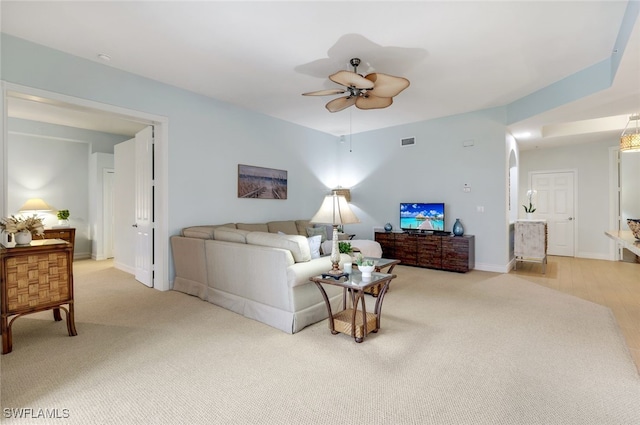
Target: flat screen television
point(422, 216)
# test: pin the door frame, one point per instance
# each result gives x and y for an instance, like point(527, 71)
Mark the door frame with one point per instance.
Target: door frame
point(107, 195)
point(575, 198)
point(615, 250)
point(160, 163)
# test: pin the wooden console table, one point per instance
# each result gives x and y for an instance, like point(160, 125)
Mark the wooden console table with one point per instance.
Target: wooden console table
point(451, 253)
point(34, 278)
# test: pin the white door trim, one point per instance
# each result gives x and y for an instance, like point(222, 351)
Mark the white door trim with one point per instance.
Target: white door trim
point(615, 250)
point(161, 166)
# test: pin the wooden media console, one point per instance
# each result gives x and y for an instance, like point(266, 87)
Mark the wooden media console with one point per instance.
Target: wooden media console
point(451, 253)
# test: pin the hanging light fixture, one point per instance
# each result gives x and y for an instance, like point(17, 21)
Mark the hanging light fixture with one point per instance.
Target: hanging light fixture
point(630, 140)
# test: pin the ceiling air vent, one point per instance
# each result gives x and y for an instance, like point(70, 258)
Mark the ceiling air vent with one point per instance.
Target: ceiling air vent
point(408, 142)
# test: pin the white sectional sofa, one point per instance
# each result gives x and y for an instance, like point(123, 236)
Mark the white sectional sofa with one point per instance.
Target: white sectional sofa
point(260, 271)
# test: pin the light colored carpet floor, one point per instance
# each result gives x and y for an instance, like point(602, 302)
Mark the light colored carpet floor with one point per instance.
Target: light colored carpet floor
point(474, 348)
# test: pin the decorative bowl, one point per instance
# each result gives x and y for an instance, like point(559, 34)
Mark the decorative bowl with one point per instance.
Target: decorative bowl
point(366, 271)
point(634, 225)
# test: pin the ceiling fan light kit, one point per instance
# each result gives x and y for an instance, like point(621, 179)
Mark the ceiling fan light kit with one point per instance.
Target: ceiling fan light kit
point(630, 141)
point(373, 91)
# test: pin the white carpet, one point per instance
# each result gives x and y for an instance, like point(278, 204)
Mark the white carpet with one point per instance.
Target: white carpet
point(475, 348)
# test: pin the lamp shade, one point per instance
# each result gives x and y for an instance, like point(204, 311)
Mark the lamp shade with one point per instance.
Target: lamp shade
point(630, 140)
point(35, 204)
point(335, 210)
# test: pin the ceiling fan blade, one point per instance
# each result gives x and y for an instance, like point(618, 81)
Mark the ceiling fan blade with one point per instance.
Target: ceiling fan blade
point(386, 85)
point(373, 102)
point(341, 103)
point(324, 92)
point(351, 79)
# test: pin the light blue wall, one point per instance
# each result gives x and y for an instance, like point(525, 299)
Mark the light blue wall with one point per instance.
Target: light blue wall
point(382, 174)
point(208, 139)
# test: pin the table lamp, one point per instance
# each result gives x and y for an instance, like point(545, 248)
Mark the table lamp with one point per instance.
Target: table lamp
point(335, 211)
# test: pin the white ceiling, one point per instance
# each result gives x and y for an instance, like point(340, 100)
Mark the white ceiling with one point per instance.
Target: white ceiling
point(459, 56)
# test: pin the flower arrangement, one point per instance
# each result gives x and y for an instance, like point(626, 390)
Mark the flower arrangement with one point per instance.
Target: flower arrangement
point(63, 214)
point(530, 208)
point(15, 224)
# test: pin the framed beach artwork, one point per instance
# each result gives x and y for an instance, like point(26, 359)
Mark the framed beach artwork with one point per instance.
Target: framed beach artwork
point(262, 183)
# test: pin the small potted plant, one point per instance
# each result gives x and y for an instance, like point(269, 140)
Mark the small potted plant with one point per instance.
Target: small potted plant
point(345, 248)
point(63, 217)
point(366, 266)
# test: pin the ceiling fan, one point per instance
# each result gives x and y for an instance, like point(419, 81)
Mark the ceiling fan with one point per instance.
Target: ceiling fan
point(373, 91)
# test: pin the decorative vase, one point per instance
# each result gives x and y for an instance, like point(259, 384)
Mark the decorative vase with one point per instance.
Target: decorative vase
point(529, 216)
point(388, 227)
point(23, 238)
point(366, 271)
point(458, 230)
point(64, 223)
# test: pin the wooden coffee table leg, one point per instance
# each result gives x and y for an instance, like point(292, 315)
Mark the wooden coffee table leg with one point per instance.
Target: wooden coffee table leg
point(56, 314)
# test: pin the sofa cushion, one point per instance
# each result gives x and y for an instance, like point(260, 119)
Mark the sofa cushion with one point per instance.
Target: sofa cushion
point(298, 245)
point(199, 232)
point(317, 231)
point(253, 227)
point(302, 226)
point(228, 234)
point(314, 246)
point(288, 227)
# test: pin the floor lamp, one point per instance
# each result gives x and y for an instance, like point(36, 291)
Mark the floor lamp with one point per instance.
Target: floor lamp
point(335, 211)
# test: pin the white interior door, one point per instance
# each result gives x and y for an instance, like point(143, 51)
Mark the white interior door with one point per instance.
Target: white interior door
point(555, 203)
point(124, 240)
point(144, 206)
point(107, 211)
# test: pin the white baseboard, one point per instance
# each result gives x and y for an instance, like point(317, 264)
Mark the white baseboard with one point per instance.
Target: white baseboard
point(124, 267)
point(81, 255)
point(493, 267)
point(593, 255)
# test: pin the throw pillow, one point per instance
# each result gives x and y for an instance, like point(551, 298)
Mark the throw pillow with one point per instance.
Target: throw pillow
point(314, 231)
point(314, 246)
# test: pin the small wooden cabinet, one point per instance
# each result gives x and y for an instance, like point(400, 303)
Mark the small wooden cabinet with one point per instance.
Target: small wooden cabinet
point(530, 242)
point(452, 253)
point(65, 233)
point(35, 278)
